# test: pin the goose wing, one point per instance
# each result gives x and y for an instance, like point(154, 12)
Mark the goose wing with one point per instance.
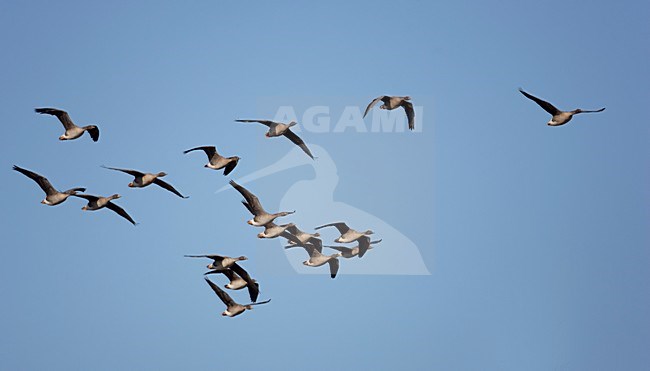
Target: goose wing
point(297, 141)
point(342, 227)
point(253, 289)
point(364, 244)
point(372, 104)
point(210, 151)
point(542, 103)
point(410, 114)
point(290, 237)
point(253, 202)
point(342, 249)
point(593, 111)
point(90, 198)
point(134, 173)
point(120, 212)
point(225, 298)
point(60, 114)
point(334, 267)
point(93, 131)
point(230, 167)
point(213, 257)
point(41, 180)
point(168, 187)
point(263, 122)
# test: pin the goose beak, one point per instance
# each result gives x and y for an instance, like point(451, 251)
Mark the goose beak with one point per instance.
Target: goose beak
point(250, 222)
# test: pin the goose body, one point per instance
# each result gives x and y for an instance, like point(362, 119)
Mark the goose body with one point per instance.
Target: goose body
point(277, 129)
point(219, 262)
point(52, 196)
point(142, 180)
point(272, 230)
point(558, 117)
point(317, 259)
point(391, 103)
point(97, 203)
point(252, 204)
point(215, 160)
point(350, 235)
point(72, 131)
point(232, 308)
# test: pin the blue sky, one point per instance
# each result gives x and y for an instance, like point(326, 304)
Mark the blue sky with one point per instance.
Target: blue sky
point(536, 237)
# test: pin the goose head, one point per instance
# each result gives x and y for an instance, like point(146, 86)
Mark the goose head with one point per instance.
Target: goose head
point(316, 234)
point(261, 235)
point(84, 208)
point(250, 222)
point(241, 258)
point(62, 137)
point(131, 185)
point(161, 174)
point(44, 202)
point(368, 232)
point(407, 98)
point(292, 123)
point(114, 197)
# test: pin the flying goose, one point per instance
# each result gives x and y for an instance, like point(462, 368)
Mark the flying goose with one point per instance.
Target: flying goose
point(390, 103)
point(348, 253)
point(52, 196)
point(304, 237)
point(220, 262)
point(72, 131)
point(559, 117)
point(316, 259)
point(236, 282)
point(232, 309)
point(252, 203)
point(347, 234)
point(277, 128)
point(144, 179)
point(216, 161)
point(314, 243)
point(96, 203)
point(272, 230)
point(235, 270)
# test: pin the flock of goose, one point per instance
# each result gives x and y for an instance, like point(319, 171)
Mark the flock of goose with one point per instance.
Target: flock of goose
point(228, 266)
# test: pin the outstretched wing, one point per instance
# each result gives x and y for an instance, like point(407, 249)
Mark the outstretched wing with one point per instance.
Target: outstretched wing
point(593, 111)
point(93, 131)
point(231, 166)
point(41, 180)
point(134, 173)
point(342, 227)
point(61, 115)
point(410, 114)
point(90, 198)
point(372, 104)
point(253, 202)
point(120, 212)
point(342, 249)
point(364, 244)
point(225, 298)
point(213, 257)
point(299, 142)
point(211, 151)
point(263, 122)
point(290, 237)
point(168, 187)
point(544, 104)
point(334, 267)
